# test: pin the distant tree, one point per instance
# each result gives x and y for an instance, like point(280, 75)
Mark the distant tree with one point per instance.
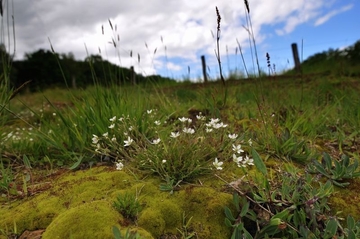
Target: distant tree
point(42, 68)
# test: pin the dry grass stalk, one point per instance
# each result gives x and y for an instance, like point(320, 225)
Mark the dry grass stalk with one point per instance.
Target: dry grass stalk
point(217, 52)
point(247, 6)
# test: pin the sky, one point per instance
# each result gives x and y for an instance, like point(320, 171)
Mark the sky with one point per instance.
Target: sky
point(168, 37)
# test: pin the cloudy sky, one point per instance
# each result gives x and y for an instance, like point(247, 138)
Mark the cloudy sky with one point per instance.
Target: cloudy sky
point(171, 35)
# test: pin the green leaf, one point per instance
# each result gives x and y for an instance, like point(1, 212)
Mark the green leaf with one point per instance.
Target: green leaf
point(345, 160)
point(229, 214)
point(327, 159)
point(26, 161)
point(228, 223)
point(282, 215)
point(75, 165)
point(331, 228)
point(247, 235)
point(350, 222)
point(244, 209)
point(236, 201)
point(258, 162)
point(319, 167)
point(342, 185)
point(351, 235)
point(116, 232)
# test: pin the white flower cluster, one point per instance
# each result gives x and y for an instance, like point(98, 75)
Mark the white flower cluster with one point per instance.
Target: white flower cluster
point(214, 124)
point(19, 135)
point(240, 160)
point(101, 147)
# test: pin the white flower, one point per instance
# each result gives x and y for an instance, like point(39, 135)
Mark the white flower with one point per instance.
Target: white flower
point(200, 117)
point(248, 161)
point(217, 164)
point(128, 142)
point(184, 119)
point(131, 128)
point(241, 165)
point(112, 126)
point(188, 130)
point(214, 121)
point(98, 148)
point(156, 141)
point(106, 134)
point(219, 125)
point(149, 111)
point(54, 114)
point(250, 142)
point(163, 161)
point(237, 159)
point(174, 134)
point(237, 149)
point(113, 138)
point(95, 139)
point(233, 136)
point(119, 165)
point(157, 122)
point(208, 130)
point(113, 119)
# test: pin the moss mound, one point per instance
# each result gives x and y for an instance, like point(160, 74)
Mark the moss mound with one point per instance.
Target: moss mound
point(80, 205)
point(91, 220)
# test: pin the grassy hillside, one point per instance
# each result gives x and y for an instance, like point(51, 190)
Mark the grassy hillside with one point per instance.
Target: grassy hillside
point(336, 62)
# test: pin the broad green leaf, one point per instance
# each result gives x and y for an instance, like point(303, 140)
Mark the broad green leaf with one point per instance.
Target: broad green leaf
point(236, 201)
point(229, 214)
point(228, 223)
point(331, 228)
point(247, 235)
point(327, 159)
point(350, 222)
point(319, 167)
point(116, 232)
point(244, 209)
point(26, 161)
point(345, 160)
point(351, 235)
point(258, 162)
point(281, 215)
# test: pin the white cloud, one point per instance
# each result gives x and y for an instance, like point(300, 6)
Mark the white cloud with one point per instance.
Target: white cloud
point(331, 14)
point(185, 27)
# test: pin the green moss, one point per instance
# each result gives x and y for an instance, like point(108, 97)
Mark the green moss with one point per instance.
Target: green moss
point(206, 206)
point(91, 220)
point(70, 190)
point(171, 213)
point(140, 231)
point(152, 221)
point(346, 200)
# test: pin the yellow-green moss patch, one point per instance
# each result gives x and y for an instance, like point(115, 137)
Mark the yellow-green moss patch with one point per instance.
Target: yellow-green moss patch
point(91, 220)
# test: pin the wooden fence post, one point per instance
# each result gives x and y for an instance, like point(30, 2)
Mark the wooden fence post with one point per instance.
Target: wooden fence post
point(203, 63)
point(132, 75)
point(296, 57)
point(73, 82)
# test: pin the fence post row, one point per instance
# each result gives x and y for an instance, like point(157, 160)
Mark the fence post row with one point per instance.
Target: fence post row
point(204, 68)
point(295, 52)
